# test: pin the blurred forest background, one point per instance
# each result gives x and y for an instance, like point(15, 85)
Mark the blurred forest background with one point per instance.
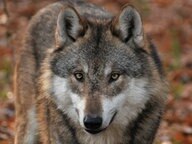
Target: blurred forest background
point(167, 22)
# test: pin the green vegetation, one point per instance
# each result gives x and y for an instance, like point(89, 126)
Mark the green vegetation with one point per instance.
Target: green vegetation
point(5, 77)
point(176, 49)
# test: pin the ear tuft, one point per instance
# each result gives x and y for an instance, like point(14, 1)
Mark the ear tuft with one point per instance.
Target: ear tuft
point(70, 27)
point(128, 26)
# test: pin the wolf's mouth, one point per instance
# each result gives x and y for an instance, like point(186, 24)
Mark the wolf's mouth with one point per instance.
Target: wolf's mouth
point(91, 131)
point(94, 131)
point(113, 117)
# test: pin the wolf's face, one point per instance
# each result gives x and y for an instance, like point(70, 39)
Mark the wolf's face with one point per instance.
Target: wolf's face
point(101, 77)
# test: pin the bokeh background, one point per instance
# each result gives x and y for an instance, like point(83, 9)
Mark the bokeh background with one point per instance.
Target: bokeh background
point(167, 22)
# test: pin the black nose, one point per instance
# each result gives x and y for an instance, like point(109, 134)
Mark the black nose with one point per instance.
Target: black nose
point(92, 123)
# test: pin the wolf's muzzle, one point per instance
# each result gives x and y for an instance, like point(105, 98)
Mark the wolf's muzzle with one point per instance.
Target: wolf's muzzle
point(93, 124)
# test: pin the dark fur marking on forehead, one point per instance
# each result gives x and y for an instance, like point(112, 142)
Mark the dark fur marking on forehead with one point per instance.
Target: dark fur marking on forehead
point(96, 32)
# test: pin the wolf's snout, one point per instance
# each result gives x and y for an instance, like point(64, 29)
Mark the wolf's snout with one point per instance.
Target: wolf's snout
point(92, 123)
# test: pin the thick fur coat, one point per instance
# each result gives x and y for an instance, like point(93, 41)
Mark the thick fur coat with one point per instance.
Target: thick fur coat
point(80, 61)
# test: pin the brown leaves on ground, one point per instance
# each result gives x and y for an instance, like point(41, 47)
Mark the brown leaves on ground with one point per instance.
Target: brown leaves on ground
point(168, 22)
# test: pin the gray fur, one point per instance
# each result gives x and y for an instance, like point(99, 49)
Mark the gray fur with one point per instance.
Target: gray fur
point(68, 37)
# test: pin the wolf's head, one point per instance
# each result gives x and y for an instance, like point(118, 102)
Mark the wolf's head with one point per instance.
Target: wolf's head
point(101, 70)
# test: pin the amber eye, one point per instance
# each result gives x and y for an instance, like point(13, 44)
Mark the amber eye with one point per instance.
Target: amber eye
point(78, 76)
point(114, 76)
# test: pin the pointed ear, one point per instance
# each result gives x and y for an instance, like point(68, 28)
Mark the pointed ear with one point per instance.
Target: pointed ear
point(70, 27)
point(128, 26)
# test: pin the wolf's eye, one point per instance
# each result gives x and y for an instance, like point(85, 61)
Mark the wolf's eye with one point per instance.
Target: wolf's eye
point(78, 76)
point(114, 76)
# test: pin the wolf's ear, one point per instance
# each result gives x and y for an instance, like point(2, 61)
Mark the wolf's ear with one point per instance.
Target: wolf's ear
point(128, 26)
point(70, 27)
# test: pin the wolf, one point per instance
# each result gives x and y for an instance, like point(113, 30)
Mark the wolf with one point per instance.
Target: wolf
point(85, 76)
